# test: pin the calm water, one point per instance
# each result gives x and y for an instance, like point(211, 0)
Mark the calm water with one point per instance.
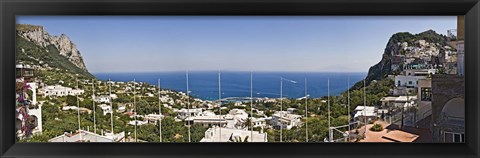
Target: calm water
point(204, 84)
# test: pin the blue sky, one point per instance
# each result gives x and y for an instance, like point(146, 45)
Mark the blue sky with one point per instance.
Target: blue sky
point(243, 43)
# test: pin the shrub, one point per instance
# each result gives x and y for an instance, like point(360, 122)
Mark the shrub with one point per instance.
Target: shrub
point(376, 128)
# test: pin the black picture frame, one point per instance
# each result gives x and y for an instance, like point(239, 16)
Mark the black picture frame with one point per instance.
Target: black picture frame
point(11, 8)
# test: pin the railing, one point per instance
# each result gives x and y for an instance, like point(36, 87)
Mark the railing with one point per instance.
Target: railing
point(452, 120)
point(423, 113)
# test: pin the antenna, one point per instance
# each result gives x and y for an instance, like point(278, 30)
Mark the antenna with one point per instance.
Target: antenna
point(78, 113)
point(111, 106)
point(135, 107)
point(306, 111)
point(159, 113)
point(281, 103)
point(281, 108)
point(188, 107)
point(251, 105)
point(220, 105)
point(94, 114)
point(365, 106)
point(328, 101)
point(348, 106)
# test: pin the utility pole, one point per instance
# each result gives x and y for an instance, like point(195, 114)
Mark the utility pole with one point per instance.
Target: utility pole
point(306, 111)
point(330, 134)
point(94, 114)
point(188, 109)
point(78, 114)
point(111, 105)
point(219, 106)
point(159, 113)
point(251, 106)
point(348, 106)
point(135, 107)
point(403, 107)
point(365, 106)
point(281, 108)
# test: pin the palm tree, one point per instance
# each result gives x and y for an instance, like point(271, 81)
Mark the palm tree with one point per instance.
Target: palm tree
point(237, 139)
point(248, 123)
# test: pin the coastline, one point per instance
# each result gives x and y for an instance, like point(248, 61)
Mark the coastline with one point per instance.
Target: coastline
point(204, 84)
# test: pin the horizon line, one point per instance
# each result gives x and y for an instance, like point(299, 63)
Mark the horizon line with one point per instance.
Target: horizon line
point(261, 71)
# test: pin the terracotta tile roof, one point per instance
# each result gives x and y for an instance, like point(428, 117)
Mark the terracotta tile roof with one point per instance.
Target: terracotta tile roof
point(400, 136)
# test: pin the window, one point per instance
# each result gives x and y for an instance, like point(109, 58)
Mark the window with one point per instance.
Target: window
point(450, 137)
point(398, 83)
point(410, 82)
point(426, 94)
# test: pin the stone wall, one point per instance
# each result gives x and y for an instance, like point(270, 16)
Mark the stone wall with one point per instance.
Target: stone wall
point(444, 88)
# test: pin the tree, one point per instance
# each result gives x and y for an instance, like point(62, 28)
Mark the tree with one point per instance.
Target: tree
point(197, 132)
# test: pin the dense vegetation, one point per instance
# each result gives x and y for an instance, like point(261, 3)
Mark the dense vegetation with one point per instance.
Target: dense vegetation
point(30, 53)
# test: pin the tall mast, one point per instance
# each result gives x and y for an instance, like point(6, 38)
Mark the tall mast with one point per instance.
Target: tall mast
point(306, 111)
point(135, 107)
point(78, 113)
point(251, 106)
point(365, 106)
point(111, 104)
point(94, 113)
point(159, 113)
point(281, 108)
point(328, 101)
point(188, 107)
point(348, 106)
point(220, 105)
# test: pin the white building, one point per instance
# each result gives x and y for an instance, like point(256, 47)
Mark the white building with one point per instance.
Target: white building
point(291, 110)
point(138, 122)
point(34, 110)
point(184, 113)
point(153, 118)
point(397, 101)
point(106, 109)
point(66, 108)
point(86, 136)
point(121, 108)
point(217, 134)
point(259, 122)
point(209, 121)
point(365, 111)
point(60, 91)
point(149, 95)
point(407, 81)
point(239, 103)
point(113, 96)
point(102, 99)
point(236, 118)
point(419, 72)
point(285, 120)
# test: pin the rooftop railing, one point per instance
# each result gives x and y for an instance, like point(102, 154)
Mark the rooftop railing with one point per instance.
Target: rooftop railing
point(451, 120)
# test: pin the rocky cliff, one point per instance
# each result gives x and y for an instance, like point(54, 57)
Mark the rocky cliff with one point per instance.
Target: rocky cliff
point(403, 49)
point(62, 43)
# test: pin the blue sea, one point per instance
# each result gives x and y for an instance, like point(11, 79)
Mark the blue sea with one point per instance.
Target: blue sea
point(204, 84)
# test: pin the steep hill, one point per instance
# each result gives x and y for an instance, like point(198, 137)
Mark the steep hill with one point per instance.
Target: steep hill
point(402, 46)
point(36, 47)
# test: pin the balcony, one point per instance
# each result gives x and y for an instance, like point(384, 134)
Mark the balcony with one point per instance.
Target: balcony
point(451, 121)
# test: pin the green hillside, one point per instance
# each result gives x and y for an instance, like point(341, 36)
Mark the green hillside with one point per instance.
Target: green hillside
point(33, 54)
